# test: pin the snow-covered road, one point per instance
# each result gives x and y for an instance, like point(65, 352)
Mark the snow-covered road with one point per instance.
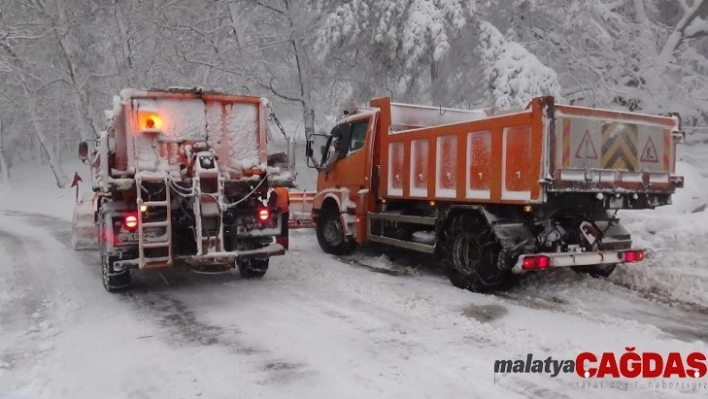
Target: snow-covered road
point(313, 327)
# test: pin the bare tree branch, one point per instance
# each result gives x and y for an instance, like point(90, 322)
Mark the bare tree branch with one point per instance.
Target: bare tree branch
point(273, 90)
point(269, 7)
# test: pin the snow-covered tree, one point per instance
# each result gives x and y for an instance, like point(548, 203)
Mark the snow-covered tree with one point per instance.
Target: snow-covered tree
point(632, 54)
point(514, 75)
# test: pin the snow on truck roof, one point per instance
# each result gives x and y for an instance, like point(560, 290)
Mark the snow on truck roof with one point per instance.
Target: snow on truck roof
point(232, 125)
point(408, 117)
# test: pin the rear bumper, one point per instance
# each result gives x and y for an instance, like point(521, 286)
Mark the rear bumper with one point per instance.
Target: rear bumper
point(269, 250)
point(569, 259)
point(215, 258)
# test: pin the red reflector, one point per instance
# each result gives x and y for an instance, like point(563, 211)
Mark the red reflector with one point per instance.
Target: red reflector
point(634, 256)
point(629, 256)
point(542, 262)
point(130, 221)
point(536, 262)
point(263, 215)
point(640, 256)
point(284, 241)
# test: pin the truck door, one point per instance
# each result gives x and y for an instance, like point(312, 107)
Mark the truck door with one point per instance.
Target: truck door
point(352, 169)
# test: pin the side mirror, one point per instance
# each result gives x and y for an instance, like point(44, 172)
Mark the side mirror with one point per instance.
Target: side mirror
point(308, 150)
point(83, 151)
point(308, 154)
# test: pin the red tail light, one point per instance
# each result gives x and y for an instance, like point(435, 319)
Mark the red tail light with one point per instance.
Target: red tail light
point(633, 256)
point(130, 222)
point(536, 262)
point(263, 215)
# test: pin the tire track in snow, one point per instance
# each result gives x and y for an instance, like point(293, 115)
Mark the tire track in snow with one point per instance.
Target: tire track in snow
point(675, 318)
point(26, 315)
point(181, 326)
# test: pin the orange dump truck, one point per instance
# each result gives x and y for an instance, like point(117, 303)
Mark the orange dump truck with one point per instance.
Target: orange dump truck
point(183, 177)
point(492, 195)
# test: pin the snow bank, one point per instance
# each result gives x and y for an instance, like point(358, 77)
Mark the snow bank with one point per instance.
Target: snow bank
point(694, 196)
point(675, 238)
point(33, 189)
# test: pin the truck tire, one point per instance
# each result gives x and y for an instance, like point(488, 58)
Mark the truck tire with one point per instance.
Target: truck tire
point(330, 233)
point(112, 281)
point(472, 258)
point(253, 267)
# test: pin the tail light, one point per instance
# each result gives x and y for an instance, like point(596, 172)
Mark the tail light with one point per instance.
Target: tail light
point(538, 262)
point(130, 222)
point(633, 256)
point(263, 215)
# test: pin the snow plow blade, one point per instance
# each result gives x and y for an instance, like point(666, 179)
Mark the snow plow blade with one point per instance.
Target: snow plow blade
point(301, 209)
point(83, 229)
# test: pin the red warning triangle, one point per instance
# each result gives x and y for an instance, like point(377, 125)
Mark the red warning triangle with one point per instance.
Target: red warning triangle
point(586, 149)
point(649, 153)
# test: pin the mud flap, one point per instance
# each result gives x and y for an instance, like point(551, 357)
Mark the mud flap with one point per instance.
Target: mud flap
point(84, 234)
point(616, 236)
point(515, 238)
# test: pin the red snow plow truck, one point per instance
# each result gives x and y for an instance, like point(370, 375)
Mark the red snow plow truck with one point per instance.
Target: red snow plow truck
point(183, 177)
point(491, 195)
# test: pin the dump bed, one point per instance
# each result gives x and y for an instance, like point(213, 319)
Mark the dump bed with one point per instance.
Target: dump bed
point(519, 157)
point(152, 130)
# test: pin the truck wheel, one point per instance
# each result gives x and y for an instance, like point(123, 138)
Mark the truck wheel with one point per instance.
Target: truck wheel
point(112, 281)
point(330, 233)
point(253, 267)
point(472, 259)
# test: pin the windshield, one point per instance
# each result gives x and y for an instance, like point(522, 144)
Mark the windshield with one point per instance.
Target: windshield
point(324, 150)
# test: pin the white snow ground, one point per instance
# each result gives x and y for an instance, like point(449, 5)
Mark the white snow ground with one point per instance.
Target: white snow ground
point(315, 326)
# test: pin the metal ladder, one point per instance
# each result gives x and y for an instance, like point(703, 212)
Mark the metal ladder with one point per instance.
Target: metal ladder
point(162, 261)
point(215, 213)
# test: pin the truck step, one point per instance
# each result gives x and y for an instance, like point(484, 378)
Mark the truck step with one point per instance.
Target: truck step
point(155, 203)
point(151, 178)
point(157, 265)
point(163, 223)
point(157, 259)
point(159, 244)
point(392, 217)
point(402, 244)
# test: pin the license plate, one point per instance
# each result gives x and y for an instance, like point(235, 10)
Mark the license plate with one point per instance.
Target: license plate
point(150, 235)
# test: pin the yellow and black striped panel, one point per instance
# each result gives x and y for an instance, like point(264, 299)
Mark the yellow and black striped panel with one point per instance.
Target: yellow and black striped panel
point(619, 146)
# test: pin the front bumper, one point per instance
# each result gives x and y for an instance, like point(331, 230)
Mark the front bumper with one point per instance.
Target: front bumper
point(569, 259)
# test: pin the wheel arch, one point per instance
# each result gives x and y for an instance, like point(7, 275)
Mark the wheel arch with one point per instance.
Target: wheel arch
point(328, 198)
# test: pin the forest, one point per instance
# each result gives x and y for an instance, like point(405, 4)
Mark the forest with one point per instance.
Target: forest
point(62, 61)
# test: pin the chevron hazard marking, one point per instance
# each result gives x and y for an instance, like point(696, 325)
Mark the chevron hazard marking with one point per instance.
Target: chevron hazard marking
point(649, 153)
point(586, 149)
point(619, 146)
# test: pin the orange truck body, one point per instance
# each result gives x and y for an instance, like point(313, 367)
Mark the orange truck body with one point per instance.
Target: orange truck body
point(546, 154)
